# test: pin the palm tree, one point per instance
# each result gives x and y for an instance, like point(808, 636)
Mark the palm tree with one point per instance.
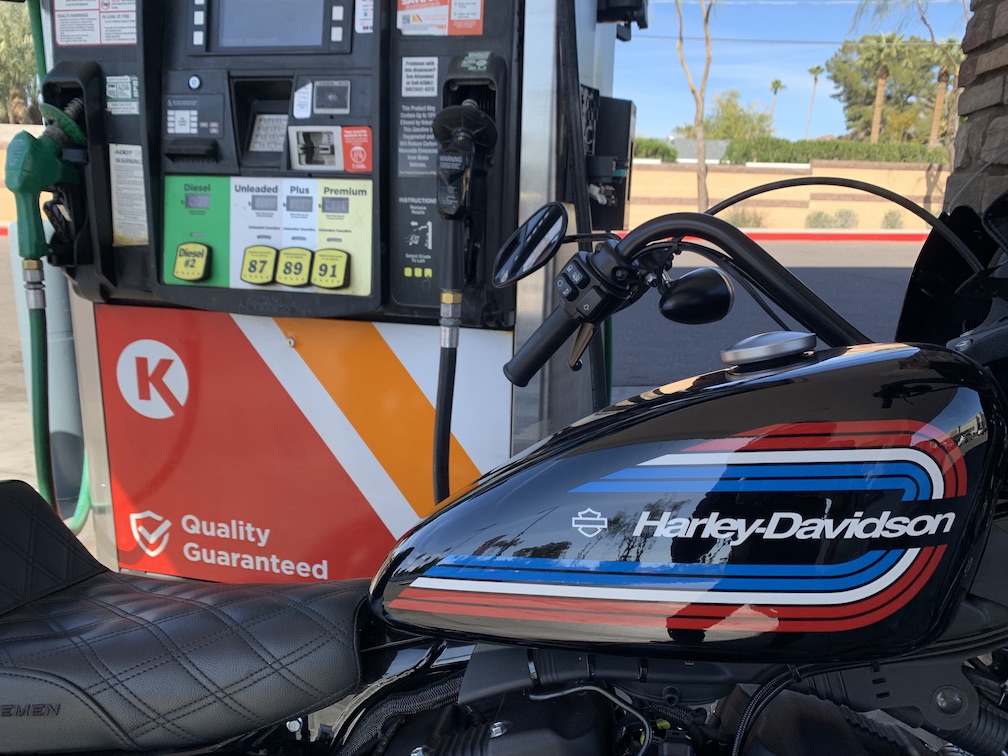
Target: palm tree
point(816, 72)
point(880, 50)
point(775, 86)
point(948, 56)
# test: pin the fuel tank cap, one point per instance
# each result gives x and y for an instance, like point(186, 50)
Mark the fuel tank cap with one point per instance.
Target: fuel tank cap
point(756, 351)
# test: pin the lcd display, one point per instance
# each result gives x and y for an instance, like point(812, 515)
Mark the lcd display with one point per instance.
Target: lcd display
point(267, 23)
point(335, 205)
point(197, 201)
point(300, 204)
point(264, 202)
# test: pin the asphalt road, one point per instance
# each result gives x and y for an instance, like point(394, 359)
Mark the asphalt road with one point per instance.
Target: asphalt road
point(863, 281)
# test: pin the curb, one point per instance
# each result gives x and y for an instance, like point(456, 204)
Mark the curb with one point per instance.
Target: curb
point(789, 235)
point(835, 235)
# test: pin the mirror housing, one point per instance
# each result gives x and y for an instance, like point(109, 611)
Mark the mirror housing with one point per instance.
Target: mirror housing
point(532, 245)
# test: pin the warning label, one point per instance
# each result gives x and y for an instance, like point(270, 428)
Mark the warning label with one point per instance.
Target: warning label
point(94, 22)
point(440, 18)
point(417, 147)
point(357, 149)
point(419, 77)
point(364, 16)
point(129, 195)
point(122, 94)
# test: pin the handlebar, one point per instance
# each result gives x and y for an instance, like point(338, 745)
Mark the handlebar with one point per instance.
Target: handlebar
point(541, 345)
point(614, 273)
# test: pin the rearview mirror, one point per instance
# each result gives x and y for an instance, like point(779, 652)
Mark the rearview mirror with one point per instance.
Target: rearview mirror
point(533, 243)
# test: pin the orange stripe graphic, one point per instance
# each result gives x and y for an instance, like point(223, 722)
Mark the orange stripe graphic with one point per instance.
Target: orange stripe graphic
point(381, 400)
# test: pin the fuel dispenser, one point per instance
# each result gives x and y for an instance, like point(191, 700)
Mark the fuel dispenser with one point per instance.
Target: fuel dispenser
point(255, 227)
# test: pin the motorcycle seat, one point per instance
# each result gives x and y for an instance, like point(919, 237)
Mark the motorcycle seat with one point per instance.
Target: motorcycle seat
point(95, 660)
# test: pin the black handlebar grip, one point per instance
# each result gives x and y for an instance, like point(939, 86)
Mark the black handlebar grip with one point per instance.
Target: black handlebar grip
point(541, 345)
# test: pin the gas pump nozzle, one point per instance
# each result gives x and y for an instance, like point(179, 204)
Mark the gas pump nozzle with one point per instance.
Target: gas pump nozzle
point(465, 134)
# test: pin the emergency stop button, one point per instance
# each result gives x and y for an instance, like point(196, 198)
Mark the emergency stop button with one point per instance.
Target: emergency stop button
point(192, 262)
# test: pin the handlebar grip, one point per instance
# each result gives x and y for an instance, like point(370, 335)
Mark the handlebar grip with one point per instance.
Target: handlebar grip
point(541, 345)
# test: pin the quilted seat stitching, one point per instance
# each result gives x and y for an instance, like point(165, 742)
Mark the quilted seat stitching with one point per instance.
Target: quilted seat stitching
point(327, 632)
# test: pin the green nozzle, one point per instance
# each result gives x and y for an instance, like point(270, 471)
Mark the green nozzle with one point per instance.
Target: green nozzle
point(32, 165)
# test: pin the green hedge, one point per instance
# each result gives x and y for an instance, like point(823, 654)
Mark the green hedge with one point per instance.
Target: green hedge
point(774, 150)
point(649, 147)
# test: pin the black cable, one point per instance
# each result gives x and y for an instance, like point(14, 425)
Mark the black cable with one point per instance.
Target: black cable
point(589, 688)
point(372, 724)
point(773, 279)
point(760, 700)
point(442, 421)
point(738, 275)
point(936, 223)
point(578, 175)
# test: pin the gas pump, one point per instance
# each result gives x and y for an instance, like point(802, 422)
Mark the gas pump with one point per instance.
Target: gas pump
point(261, 247)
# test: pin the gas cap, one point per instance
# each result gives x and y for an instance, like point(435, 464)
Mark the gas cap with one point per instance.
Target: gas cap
point(766, 350)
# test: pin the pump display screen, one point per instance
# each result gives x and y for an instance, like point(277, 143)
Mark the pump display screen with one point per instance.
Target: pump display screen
point(264, 202)
point(267, 23)
point(300, 204)
point(197, 201)
point(335, 205)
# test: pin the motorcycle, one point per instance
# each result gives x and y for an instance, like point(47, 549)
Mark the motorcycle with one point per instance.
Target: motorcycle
point(800, 553)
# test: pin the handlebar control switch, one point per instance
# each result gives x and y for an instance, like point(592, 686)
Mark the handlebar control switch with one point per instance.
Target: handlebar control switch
point(575, 274)
point(590, 302)
point(566, 289)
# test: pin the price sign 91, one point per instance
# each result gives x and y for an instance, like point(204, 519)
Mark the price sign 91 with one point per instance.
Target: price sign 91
point(331, 269)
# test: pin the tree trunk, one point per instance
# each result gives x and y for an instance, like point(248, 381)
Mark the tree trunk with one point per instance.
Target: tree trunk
point(703, 202)
point(876, 120)
point(939, 107)
point(808, 121)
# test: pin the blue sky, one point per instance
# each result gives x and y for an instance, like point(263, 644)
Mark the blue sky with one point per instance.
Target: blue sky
point(754, 42)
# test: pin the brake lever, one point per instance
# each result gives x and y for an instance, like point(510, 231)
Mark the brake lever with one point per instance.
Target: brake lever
point(581, 341)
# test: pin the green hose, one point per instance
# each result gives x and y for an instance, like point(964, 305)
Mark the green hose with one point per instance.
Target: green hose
point(40, 354)
point(35, 18)
point(83, 509)
point(40, 404)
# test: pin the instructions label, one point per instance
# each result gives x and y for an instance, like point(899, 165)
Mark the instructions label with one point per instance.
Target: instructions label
point(122, 95)
point(420, 77)
point(94, 22)
point(440, 18)
point(129, 195)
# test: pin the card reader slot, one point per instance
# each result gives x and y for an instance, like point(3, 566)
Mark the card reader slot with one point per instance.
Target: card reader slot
point(208, 149)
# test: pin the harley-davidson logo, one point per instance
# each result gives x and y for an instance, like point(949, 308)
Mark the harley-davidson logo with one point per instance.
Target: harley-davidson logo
point(589, 523)
point(152, 541)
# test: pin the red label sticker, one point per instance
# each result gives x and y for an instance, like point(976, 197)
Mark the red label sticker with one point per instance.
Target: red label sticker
point(357, 149)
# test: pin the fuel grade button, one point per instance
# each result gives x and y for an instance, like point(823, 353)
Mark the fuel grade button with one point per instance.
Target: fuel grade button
point(331, 269)
point(259, 265)
point(294, 266)
point(192, 262)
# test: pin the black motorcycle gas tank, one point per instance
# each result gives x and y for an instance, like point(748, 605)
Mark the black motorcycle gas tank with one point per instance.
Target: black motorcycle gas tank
point(834, 510)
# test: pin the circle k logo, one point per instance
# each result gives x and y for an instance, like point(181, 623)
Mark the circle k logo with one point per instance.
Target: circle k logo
point(152, 379)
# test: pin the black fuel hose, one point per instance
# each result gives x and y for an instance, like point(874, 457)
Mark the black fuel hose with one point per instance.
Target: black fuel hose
point(442, 421)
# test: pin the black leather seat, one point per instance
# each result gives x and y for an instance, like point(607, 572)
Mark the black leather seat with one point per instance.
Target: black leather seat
point(96, 660)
